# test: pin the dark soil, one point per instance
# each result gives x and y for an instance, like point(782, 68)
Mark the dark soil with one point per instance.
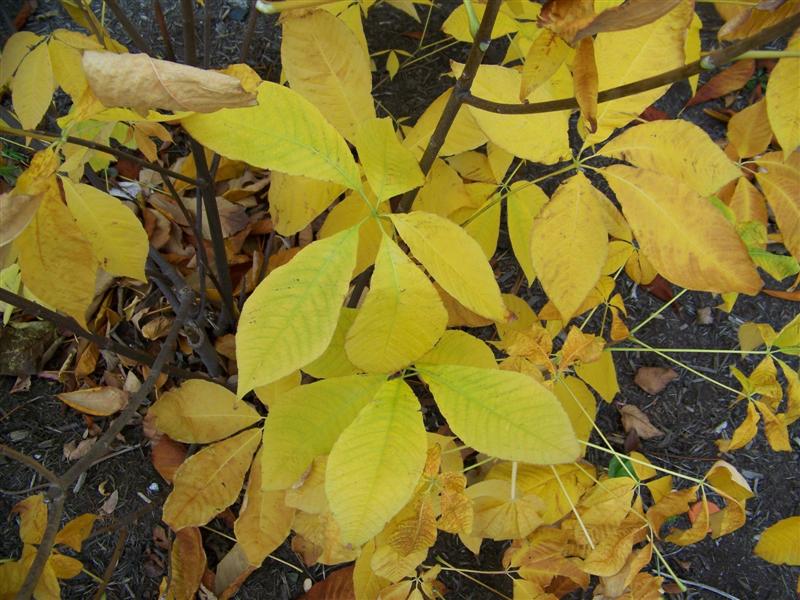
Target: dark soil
point(692, 412)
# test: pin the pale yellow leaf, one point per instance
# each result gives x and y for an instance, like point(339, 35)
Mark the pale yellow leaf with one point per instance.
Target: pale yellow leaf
point(676, 148)
point(579, 404)
point(67, 68)
point(264, 520)
point(210, 481)
point(118, 240)
point(198, 412)
point(295, 201)
point(774, 428)
point(460, 348)
point(780, 542)
point(296, 309)
point(308, 422)
point(33, 87)
point(58, 269)
point(16, 48)
point(98, 401)
point(569, 243)
point(783, 99)
point(685, 237)
point(142, 82)
point(284, 132)
point(457, 24)
point(375, 464)
point(334, 362)
point(454, 260)
point(401, 318)
point(502, 413)
point(391, 169)
point(273, 392)
point(628, 56)
point(524, 201)
point(500, 516)
point(325, 63)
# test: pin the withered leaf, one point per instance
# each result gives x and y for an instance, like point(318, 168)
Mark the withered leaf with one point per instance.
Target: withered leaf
point(634, 419)
point(654, 379)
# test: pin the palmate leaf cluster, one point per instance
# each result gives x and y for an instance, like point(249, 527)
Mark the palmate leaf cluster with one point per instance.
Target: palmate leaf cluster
point(343, 458)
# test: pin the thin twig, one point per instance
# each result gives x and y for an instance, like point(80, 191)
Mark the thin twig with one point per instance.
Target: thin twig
point(712, 61)
point(189, 48)
point(29, 462)
point(249, 30)
point(112, 563)
point(207, 33)
point(44, 135)
point(158, 11)
point(456, 99)
point(129, 27)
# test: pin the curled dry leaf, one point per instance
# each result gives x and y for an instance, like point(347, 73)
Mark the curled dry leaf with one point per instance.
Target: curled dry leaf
point(76, 451)
point(16, 211)
point(628, 15)
point(634, 419)
point(654, 379)
point(141, 82)
point(98, 401)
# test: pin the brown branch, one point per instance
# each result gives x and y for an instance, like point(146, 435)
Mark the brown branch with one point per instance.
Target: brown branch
point(479, 46)
point(129, 27)
point(119, 547)
point(44, 135)
point(158, 11)
point(249, 30)
point(189, 47)
point(29, 462)
point(714, 60)
point(56, 494)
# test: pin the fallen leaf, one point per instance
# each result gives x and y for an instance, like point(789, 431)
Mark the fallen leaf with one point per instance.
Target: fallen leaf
point(98, 401)
point(654, 379)
point(336, 586)
point(731, 79)
point(167, 455)
point(76, 451)
point(634, 419)
point(156, 328)
point(110, 503)
point(141, 82)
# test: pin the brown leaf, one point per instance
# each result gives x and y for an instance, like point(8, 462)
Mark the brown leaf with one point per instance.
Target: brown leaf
point(110, 504)
point(98, 401)
point(336, 586)
point(731, 79)
point(634, 419)
point(654, 379)
point(156, 328)
point(76, 451)
point(167, 455)
point(629, 15)
point(141, 82)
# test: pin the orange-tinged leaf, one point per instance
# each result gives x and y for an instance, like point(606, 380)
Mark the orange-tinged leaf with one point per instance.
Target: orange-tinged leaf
point(580, 348)
point(336, 586)
point(264, 520)
point(585, 81)
point(685, 237)
point(747, 203)
point(628, 15)
point(76, 531)
point(32, 513)
point(780, 181)
point(98, 401)
point(611, 550)
point(675, 503)
point(780, 542)
point(654, 379)
point(210, 481)
point(64, 567)
point(634, 419)
point(199, 412)
point(569, 243)
point(167, 455)
point(729, 80)
point(188, 563)
point(749, 130)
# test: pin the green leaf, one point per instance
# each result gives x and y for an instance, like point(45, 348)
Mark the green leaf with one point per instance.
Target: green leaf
point(375, 464)
point(284, 132)
point(291, 316)
point(306, 423)
point(502, 413)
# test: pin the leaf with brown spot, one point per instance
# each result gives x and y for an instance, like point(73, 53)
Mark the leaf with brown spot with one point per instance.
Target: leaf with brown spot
point(634, 419)
point(654, 379)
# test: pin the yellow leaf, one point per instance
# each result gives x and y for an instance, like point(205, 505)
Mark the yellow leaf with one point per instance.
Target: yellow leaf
point(401, 318)
point(391, 169)
point(272, 393)
point(546, 54)
point(774, 428)
point(580, 348)
point(483, 225)
point(745, 432)
point(375, 464)
point(32, 513)
point(749, 129)
point(522, 316)
point(199, 412)
point(118, 240)
point(64, 567)
point(142, 82)
point(325, 64)
point(334, 362)
point(685, 237)
point(455, 261)
point(692, 48)
point(725, 479)
point(579, 404)
point(33, 87)
point(537, 137)
point(569, 243)
point(210, 481)
point(443, 193)
point(460, 348)
point(501, 413)
point(264, 520)
point(457, 24)
point(58, 269)
point(628, 56)
point(499, 515)
point(16, 48)
point(367, 585)
point(783, 100)
point(308, 422)
point(747, 203)
point(676, 148)
point(780, 542)
point(98, 401)
point(609, 502)
point(612, 550)
point(792, 393)
point(295, 308)
point(309, 496)
point(284, 132)
point(187, 564)
point(67, 68)
point(780, 181)
point(464, 134)
point(392, 64)
point(76, 531)
point(295, 201)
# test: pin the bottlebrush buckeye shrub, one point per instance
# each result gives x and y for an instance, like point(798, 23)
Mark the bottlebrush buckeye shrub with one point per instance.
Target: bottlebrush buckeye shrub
point(324, 437)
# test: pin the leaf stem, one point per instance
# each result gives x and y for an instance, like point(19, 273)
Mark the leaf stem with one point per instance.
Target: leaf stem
point(661, 309)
